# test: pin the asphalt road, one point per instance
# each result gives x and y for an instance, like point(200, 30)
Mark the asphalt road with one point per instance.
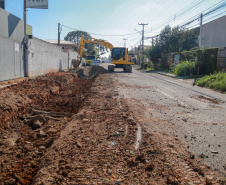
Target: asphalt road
point(195, 115)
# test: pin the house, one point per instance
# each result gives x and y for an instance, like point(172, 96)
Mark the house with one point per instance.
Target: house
point(67, 45)
point(213, 33)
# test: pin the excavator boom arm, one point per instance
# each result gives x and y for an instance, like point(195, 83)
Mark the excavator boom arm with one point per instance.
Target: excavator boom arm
point(91, 41)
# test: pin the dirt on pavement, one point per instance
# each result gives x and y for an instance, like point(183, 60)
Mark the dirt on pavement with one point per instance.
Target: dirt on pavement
point(59, 129)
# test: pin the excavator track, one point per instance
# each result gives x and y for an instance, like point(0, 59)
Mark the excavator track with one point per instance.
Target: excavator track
point(127, 68)
point(111, 68)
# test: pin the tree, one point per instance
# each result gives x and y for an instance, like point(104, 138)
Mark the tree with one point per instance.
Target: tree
point(189, 40)
point(172, 40)
point(75, 36)
point(164, 38)
point(154, 54)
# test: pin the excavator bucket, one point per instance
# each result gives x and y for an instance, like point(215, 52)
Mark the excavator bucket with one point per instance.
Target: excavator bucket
point(75, 63)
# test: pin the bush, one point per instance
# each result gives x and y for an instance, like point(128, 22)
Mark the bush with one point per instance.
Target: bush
point(216, 82)
point(145, 65)
point(186, 68)
point(207, 59)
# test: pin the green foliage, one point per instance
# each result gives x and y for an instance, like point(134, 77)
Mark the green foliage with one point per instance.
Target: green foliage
point(186, 68)
point(131, 52)
point(171, 40)
point(145, 65)
point(176, 39)
point(206, 59)
point(75, 36)
point(216, 82)
point(154, 53)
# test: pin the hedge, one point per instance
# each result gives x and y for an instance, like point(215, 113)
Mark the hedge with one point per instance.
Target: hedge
point(206, 59)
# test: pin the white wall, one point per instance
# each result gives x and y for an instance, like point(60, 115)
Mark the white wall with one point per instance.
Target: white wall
point(11, 46)
point(72, 55)
point(214, 34)
point(44, 58)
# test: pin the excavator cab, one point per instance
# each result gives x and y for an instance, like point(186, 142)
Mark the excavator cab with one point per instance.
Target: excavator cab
point(118, 53)
point(120, 59)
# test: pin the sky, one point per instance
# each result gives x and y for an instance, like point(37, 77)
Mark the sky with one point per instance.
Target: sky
point(112, 17)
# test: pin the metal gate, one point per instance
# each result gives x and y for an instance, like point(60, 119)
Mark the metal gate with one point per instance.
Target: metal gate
point(221, 61)
point(11, 59)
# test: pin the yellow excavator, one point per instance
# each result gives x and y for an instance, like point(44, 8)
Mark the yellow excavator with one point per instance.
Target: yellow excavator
point(119, 55)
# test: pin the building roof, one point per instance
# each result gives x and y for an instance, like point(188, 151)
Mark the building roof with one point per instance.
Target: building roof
point(62, 42)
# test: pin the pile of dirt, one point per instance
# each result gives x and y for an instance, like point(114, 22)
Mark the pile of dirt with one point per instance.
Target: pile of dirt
point(33, 113)
point(98, 147)
point(12, 104)
point(89, 72)
point(66, 133)
point(96, 70)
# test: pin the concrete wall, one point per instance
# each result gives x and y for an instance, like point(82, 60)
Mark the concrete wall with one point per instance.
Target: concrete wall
point(213, 34)
point(44, 58)
point(11, 46)
point(72, 55)
point(11, 26)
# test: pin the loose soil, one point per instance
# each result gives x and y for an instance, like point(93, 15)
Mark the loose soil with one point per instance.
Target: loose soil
point(49, 101)
point(58, 129)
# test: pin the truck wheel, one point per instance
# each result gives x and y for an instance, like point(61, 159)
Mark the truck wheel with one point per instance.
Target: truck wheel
point(111, 68)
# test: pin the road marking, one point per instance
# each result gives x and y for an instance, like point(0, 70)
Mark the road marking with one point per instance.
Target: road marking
point(171, 97)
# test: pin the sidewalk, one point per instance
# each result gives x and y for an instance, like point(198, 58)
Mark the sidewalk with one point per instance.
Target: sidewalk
point(167, 74)
point(183, 79)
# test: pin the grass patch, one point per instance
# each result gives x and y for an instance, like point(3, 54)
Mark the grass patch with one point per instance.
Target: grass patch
point(216, 82)
point(150, 69)
point(186, 68)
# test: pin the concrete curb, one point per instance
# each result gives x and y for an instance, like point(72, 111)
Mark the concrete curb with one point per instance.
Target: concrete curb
point(167, 74)
point(190, 81)
point(8, 83)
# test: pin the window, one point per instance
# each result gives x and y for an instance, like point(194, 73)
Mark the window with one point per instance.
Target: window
point(118, 53)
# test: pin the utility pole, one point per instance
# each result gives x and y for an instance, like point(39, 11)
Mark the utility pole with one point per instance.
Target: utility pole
point(143, 38)
point(59, 34)
point(200, 32)
point(2, 4)
point(125, 42)
point(25, 37)
point(25, 19)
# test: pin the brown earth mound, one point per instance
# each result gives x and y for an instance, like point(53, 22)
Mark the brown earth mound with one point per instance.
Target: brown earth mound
point(98, 147)
point(57, 134)
point(32, 115)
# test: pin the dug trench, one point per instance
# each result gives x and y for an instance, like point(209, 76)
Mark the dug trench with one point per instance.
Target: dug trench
point(59, 129)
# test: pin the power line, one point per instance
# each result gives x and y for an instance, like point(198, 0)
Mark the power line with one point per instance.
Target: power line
point(181, 13)
point(157, 15)
point(214, 9)
point(215, 16)
point(101, 34)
